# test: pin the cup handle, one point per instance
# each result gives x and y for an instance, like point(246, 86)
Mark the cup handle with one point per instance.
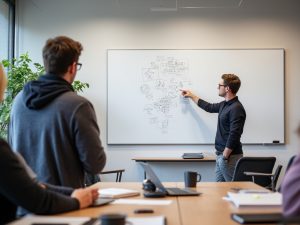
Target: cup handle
point(199, 177)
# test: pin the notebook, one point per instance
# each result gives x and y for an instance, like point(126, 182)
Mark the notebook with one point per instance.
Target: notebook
point(117, 193)
point(169, 191)
point(257, 218)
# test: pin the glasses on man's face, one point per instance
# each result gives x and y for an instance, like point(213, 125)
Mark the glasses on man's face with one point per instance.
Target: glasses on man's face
point(78, 66)
point(221, 85)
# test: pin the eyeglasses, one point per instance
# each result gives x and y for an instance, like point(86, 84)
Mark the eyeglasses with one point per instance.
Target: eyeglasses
point(78, 65)
point(221, 85)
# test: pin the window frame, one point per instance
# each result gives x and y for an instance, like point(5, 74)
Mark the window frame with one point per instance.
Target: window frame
point(11, 28)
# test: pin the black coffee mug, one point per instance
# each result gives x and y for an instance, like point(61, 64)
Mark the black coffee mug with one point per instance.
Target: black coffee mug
point(113, 219)
point(191, 178)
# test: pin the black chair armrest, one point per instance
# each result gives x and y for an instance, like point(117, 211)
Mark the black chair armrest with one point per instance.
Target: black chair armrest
point(258, 174)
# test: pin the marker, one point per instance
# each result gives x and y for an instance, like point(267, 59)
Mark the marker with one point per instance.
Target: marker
point(183, 92)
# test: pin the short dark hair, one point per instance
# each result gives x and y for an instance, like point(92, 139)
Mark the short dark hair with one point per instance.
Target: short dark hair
point(232, 81)
point(59, 53)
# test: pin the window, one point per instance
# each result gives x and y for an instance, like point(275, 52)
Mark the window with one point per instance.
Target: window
point(7, 29)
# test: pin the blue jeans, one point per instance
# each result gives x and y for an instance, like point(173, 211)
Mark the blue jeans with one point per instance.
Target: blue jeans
point(225, 168)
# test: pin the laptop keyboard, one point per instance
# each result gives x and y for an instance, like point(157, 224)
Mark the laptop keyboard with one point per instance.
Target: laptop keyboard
point(177, 191)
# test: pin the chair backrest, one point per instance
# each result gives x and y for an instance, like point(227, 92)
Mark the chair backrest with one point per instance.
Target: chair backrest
point(290, 162)
point(254, 164)
point(276, 176)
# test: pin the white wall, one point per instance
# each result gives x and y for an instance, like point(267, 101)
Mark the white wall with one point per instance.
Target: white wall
point(100, 25)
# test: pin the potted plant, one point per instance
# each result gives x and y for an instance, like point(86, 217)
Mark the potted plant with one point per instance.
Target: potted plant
point(19, 73)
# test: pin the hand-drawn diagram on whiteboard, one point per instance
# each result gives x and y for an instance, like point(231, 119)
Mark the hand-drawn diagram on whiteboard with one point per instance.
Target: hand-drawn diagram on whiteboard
point(161, 81)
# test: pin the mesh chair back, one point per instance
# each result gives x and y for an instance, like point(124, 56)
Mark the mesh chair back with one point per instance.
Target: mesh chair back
point(254, 164)
point(276, 175)
point(290, 162)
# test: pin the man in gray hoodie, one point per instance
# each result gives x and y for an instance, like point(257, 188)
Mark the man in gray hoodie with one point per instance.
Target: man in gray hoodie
point(53, 128)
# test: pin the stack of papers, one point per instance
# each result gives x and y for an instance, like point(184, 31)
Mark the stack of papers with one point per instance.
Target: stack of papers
point(255, 199)
point(116, 193)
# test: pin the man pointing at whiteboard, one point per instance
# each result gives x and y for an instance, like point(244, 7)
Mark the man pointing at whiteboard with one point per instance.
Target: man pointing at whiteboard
point(231, 120)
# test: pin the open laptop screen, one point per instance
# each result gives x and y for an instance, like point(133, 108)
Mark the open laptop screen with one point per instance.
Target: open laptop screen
point(152, 176)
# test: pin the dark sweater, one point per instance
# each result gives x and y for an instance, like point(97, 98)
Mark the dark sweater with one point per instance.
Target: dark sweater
point(231, 120)
point(18, 189)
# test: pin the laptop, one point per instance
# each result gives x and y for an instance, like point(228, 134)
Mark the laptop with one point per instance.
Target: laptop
point(169, 191)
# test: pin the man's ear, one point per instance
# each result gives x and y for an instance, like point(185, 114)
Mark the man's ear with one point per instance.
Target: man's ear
point(227, 88)
point(72, 68)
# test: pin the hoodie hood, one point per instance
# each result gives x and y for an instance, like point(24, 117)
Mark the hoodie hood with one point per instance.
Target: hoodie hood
point(39, 93)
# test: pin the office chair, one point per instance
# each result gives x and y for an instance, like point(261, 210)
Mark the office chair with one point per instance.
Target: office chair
point(92, 179)
point(290, 162)
point(117, 172)
point(246, 166)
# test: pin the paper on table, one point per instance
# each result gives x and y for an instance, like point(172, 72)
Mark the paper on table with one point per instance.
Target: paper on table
point(153, 220)
point(142, 202)
point(31, 219)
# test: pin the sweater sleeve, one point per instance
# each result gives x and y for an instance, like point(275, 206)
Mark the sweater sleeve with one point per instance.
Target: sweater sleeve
point(209, 107)
point(290, 189)
point(60, 189)
point(19, 188)
point(87, 138)
point(237, 121)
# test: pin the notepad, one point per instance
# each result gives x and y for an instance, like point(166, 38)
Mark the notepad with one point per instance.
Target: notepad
point(117, 193)
point(257, 199)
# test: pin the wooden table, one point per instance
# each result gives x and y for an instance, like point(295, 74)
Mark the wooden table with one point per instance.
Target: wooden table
point(171, 212)
point(208, 209)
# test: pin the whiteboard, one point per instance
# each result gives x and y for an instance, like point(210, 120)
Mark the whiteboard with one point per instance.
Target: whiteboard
point(145, 106)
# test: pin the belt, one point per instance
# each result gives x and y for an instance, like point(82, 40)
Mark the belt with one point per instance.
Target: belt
point(219, 153)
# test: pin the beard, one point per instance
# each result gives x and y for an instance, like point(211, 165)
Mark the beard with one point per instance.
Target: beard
point(222, 94)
